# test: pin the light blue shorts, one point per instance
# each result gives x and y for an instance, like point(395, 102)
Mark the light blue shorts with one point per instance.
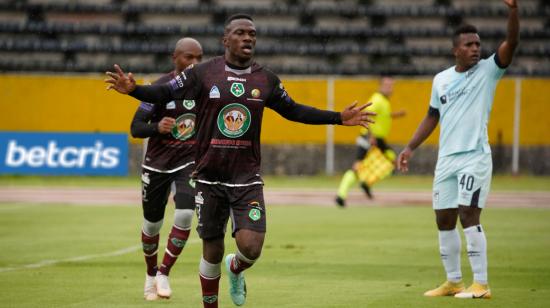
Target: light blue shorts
point(462, 179)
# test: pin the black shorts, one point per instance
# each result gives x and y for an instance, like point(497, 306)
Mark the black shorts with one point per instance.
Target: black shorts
point(216, 203)
point(156, 187)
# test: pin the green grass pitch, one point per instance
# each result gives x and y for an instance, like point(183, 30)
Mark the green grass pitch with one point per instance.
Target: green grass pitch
point(70, 256)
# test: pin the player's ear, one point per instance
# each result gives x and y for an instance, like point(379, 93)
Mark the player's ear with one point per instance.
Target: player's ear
point(224, 40)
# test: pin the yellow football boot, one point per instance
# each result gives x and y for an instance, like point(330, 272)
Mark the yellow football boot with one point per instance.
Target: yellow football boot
point(476, 290)
point(446, 289)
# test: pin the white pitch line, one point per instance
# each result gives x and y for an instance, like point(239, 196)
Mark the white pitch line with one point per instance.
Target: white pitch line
point(79, 258)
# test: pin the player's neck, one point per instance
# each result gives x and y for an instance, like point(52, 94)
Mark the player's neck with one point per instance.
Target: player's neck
point(236, 64)
point(461, 68)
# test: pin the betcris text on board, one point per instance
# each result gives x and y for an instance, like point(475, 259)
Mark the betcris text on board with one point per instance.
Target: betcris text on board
point(63, 153)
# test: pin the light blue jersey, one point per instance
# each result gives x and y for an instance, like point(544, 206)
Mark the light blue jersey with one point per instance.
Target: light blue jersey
point(464, 101)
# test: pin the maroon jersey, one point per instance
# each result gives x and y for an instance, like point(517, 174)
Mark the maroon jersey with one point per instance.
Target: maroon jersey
point(170, 152)
point(230, 104)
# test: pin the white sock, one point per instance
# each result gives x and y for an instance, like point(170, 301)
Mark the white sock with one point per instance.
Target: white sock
point(449, 249)
point(209, 270)
point(477, 252)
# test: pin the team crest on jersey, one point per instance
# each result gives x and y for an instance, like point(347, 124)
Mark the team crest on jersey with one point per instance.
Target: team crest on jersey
point(185, 127)
point(443, 99)
point(171, 105)
point(214, 92)
point(189, 103)
point(234, 120)
point(237, 89)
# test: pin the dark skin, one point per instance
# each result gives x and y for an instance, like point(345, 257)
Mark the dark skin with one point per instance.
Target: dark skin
point(467, 50)
point(188, 51)
point(239, 41)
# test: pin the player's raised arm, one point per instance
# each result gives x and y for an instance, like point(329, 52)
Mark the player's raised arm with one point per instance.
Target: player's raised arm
point(424, 130)
point(507, 48)
point(126, 84)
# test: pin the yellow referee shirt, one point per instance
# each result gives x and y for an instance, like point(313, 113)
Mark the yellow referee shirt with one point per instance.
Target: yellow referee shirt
point(382, 126)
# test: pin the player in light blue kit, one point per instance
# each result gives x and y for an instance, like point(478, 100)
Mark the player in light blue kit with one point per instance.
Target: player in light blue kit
point(462, 97)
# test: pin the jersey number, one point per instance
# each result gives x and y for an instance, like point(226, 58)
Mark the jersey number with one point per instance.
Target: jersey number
point(467, 182)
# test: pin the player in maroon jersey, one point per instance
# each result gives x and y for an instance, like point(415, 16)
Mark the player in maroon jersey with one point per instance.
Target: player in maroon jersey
point(231, 93)
point(169, 158)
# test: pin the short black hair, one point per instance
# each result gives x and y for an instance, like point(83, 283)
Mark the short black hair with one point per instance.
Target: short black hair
point(466, 28)
point(237, 16)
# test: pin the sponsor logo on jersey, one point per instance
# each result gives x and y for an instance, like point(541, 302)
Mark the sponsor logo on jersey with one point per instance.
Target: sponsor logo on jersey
point(171, 105)
point(255, 214)
point(185, 127)
point(214, 92)
point(180, 81)
point(189, 103)
point(255, 93)
point(234, 120)
point(146, 106)
point(230, 78)
point(237, 89)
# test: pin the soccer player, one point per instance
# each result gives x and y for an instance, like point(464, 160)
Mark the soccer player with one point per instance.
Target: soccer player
point(462, 97)
point(231, 93)
point(375, 136)
point(169, 159)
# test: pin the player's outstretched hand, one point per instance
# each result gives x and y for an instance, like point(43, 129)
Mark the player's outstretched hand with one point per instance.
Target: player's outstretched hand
point(354, 115)
point(166, 124)
point(119, 81)
point(403, 159)
point(511, 3)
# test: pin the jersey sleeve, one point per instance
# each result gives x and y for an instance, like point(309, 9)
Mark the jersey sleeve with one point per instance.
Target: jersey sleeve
point(494, 67)
point(283, 104)
point(141, 126)
point(435, 100)
point(172, 90)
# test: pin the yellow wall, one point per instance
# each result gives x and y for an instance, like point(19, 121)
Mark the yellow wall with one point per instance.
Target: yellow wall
point(80, 103)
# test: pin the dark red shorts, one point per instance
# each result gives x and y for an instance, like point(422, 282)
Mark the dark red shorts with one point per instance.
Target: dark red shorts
point(216, 203)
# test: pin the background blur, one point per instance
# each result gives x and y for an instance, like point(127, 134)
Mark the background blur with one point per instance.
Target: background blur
point(53, 55)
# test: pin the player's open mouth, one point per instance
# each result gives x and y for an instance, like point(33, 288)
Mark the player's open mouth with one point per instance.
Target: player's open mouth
point(247, 49)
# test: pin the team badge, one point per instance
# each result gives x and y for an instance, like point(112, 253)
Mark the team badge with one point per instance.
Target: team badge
point(234, 120)
point(237, 89)
point(214, 92)
point(171, 105)
point(177, 242)
point(189, 103)
point(443, 99)
point(209, 299)
point(185, 127)
point(255, 93)
point(255, 214)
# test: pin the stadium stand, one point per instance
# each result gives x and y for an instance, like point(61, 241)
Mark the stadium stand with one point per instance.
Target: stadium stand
point(359, 37)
